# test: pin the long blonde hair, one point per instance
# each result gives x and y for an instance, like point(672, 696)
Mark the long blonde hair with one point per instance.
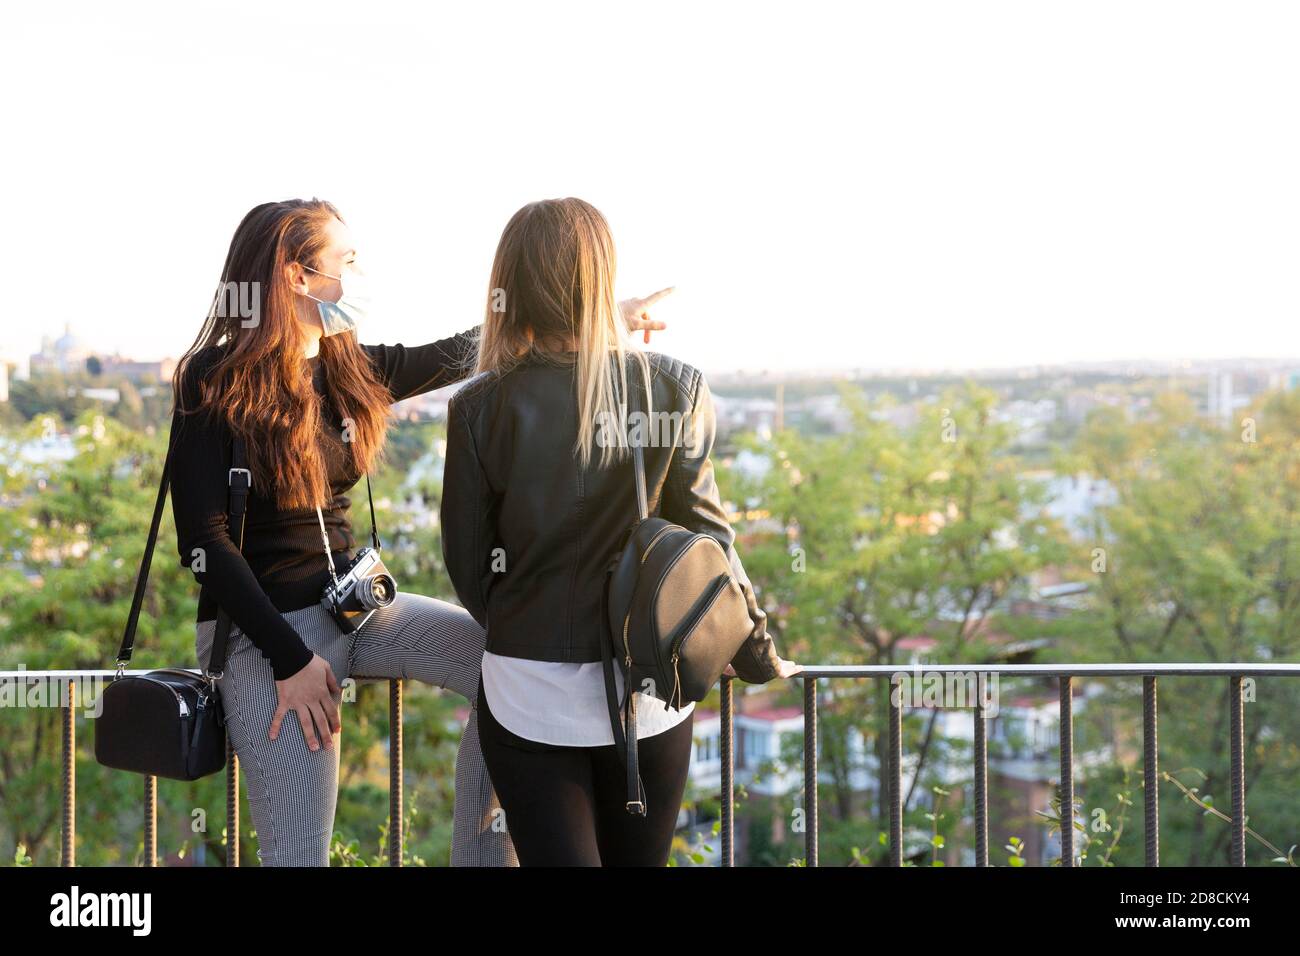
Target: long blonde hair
point(553, 284)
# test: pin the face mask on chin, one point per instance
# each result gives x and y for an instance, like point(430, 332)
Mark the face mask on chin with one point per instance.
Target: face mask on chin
point(349, 310)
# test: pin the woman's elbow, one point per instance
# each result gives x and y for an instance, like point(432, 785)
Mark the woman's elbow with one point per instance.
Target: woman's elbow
point(195, 548)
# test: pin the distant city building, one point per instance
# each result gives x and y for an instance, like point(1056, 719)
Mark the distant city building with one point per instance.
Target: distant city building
point(829, 410)
point(899, 416)
point(1029, 418)
point(1218, 403)
point(1284, 379)
point(68, 354)
point(130, 368)
point(747, 414)
point(13, 368)
point(1080, 402)
point(1223, 399)
point(1073, 499)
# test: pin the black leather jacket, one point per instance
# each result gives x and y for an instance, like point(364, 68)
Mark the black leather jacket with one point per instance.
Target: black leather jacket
point(528, 534)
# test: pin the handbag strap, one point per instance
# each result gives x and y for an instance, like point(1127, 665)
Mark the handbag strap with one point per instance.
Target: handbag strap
point(239, 480)
point(128, 636)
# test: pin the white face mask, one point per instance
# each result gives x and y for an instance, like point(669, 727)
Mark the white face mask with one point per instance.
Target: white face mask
point(350, 309)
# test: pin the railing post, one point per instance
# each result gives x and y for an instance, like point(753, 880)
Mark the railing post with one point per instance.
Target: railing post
point(895, 772)
point(810, 769)
point(396, 834)
point(725, 735)
point(69, 856)
point(1238, 771)
point(232, 804)
point(1151, 770)
point(150, 820)
point(1067, 771)
point(981, 748)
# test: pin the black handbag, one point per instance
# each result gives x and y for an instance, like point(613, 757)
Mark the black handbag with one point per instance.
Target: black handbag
point(170, 722)
point(676, 617)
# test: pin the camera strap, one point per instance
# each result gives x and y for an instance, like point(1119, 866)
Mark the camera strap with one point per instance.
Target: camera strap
point(325, 538)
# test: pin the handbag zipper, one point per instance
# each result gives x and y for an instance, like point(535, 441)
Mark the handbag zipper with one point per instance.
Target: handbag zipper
point(627, 650)
point(184, 673)
point(184, 708)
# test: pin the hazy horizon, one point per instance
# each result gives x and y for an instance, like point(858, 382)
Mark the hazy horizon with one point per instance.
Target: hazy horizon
point(1152, 362)
point(946, 186)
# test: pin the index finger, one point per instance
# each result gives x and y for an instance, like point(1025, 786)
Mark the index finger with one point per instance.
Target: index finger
point(654, 297)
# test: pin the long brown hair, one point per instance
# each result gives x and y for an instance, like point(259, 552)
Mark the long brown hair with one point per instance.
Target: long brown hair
point(260, 383)
point(553, 283)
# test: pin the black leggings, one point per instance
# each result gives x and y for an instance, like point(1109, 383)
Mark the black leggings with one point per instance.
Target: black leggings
point(566, 806)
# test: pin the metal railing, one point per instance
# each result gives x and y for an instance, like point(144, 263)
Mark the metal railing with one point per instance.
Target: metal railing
point(1064, 673)
point(67, 681)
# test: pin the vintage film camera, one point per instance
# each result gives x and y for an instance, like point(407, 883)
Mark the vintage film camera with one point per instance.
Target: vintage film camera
point(362, 587)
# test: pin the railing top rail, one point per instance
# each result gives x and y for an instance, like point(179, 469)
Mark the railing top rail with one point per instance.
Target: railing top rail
point(1139, 669)
point(132, 672)
point(1057, 670)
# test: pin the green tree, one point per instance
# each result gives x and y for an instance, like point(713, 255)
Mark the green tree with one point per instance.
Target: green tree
point(884, 533)
point(1196, 560)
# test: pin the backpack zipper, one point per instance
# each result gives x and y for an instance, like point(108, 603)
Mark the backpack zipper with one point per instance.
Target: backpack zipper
point(627, 649)
point(653, 541)
point(723, 584)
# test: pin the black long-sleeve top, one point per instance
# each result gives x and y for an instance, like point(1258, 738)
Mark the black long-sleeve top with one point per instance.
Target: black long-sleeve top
point(282, 566)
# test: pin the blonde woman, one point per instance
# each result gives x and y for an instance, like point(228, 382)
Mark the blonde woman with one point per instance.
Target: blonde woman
point(536, 502)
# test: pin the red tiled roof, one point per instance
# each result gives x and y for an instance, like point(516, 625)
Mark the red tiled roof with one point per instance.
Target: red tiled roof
point(916, 642)
point(774, 713)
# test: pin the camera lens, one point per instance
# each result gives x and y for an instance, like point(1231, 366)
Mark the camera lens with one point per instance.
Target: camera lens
point(377, 590)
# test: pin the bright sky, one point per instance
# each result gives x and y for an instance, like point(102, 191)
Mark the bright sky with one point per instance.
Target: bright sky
point(867, 185)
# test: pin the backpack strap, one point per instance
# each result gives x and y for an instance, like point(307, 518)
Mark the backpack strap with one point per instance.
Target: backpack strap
point(625, 742)
point(638, 465)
